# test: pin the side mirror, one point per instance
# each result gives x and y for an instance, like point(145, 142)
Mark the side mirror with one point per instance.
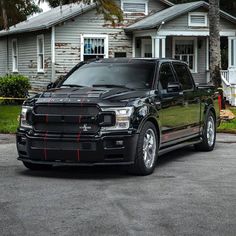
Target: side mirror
point(174, 87)
point(50, 85)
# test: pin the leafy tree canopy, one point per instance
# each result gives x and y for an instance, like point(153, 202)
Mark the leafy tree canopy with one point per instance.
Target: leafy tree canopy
point(110, 10)
point(14, 11)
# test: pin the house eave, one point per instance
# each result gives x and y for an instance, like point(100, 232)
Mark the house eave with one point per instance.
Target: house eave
point(13, 31)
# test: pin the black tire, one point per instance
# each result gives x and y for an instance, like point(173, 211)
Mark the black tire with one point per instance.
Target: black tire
point(208, 141)
point(33, 166)
point(139, 167)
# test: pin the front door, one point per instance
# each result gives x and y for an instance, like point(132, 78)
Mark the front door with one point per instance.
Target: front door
point(171, 117)
point(146, 49)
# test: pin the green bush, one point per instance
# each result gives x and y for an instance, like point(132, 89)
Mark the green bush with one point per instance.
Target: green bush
point(15, 86)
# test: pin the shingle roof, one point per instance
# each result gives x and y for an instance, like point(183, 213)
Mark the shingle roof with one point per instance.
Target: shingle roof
point(168, 14)
point(52, 17)
point(47, 19)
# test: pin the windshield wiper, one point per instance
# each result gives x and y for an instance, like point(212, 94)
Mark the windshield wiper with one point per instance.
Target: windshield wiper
point(110, 86)
point(72, 85)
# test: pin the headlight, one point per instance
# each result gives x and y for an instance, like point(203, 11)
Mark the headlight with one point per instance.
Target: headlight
point(123, 115)
point(25, 117)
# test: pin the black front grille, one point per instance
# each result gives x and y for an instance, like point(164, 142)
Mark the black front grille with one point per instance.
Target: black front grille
point(66, 110)
point(66, 119)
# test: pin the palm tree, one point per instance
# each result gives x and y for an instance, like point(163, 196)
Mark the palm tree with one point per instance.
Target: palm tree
point(215, 52)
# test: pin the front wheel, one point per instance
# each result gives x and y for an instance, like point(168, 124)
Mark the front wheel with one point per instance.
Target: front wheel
point(208, 134)
point(147, 149)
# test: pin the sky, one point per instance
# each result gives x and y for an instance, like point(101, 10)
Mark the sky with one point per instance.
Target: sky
point(44, 6)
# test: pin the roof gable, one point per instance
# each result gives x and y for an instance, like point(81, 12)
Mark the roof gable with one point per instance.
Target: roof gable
point(171, 13)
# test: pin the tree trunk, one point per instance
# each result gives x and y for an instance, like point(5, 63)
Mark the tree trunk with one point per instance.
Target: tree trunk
point(215, 51)
point(4, 15)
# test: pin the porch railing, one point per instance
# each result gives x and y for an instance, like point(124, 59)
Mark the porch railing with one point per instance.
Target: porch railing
point(228, 89)
point(225, 74)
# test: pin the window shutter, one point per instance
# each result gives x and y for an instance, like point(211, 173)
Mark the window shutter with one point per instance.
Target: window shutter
point(200, 20)
point(134, 7)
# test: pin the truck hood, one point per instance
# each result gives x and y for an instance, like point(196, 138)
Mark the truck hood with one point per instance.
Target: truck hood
point(101, 96)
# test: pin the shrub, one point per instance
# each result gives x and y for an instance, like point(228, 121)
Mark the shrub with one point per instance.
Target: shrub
point(15, 86)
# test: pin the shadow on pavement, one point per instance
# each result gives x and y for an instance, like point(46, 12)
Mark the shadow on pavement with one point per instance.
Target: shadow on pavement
point(105, 172)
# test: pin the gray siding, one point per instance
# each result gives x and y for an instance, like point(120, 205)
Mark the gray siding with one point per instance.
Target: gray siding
point(27, 58)
point(3, 56)
point(67, 44)
point(200, 76)
point(181, 23)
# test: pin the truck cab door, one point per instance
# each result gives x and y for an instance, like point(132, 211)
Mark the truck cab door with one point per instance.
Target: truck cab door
point(172, 101)
point(191, 106)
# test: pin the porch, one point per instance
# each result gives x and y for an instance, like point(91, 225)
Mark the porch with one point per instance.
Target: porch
point(195, 51)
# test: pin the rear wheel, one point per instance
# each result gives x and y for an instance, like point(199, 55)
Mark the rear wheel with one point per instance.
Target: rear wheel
point(33, 166)
point(208, 134)
point(147, 149)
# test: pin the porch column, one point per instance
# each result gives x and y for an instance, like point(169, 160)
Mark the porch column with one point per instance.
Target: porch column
point(232, 59)
point(159, 46)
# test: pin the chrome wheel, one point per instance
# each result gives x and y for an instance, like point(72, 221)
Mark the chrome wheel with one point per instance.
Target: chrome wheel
point(149, 148)
point(210, 131)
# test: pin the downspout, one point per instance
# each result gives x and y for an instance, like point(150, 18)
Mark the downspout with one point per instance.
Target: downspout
point(8, 55)
point(53, 53)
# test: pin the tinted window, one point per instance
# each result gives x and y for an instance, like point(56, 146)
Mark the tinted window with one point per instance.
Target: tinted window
point(138, 75)
point(183, 76)
point(165, 76)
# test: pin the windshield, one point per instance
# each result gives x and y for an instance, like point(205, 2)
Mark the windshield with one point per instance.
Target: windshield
point(132, 76)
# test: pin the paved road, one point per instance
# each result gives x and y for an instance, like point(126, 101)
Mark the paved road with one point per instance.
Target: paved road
point(189, 194)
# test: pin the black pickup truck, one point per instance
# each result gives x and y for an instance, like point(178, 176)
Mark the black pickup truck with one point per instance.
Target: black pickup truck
point(118, 112)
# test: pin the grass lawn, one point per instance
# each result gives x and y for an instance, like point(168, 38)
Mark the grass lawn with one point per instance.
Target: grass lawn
point(9, 123)
point(228, 126)
point(8, 118)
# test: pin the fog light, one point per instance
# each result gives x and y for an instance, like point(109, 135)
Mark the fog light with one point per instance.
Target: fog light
point(119, 143)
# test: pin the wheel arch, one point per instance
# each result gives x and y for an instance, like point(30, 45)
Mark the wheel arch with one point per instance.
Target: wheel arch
point(154, 121)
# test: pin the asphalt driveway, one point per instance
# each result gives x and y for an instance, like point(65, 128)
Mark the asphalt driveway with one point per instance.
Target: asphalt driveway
point(190, 193)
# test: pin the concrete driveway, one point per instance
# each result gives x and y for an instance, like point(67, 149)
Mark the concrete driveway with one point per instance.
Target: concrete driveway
point(190, 193)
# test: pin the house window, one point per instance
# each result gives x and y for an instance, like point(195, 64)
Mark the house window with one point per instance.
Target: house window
point(134, 6)
point(40, 53)
point(14, 55)
point(94, 46)
point(186, 50)
point(197, 19)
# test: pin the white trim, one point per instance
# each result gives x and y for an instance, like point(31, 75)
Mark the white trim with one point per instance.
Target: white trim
point(153, 47)
point(134, 46)
point(40, 70)
point(195, 50)
point(157, 47)
point(100, 36)
point(135, 2)
point(15, 66)
point(194, 33)
point(191, 24)
point(163, 45)
point(53, 52)
point(207, 53)
point(230, 41)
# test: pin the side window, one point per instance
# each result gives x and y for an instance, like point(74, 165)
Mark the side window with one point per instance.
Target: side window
point(165, 76)
point(183, 76)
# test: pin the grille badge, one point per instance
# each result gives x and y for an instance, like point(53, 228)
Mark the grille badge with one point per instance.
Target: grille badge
point(85, 128)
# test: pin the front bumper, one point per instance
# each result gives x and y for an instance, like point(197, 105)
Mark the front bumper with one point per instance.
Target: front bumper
point(115, 149)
